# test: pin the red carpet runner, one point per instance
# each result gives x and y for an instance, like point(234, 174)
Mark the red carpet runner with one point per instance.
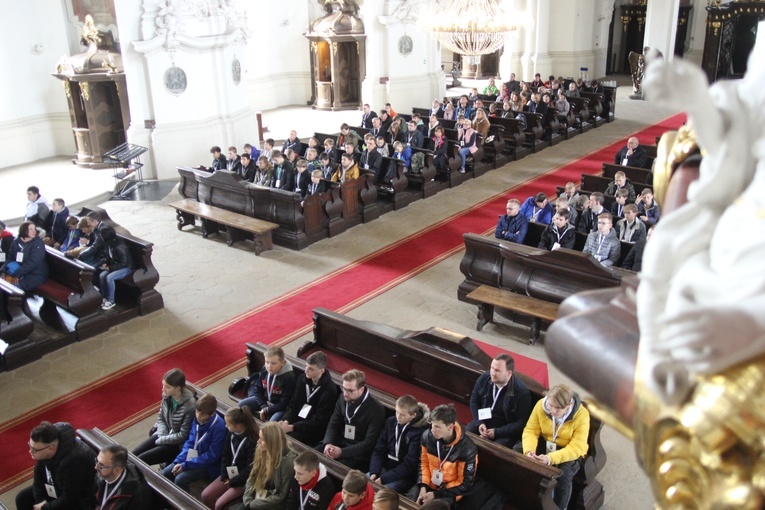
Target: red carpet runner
point(119, 400)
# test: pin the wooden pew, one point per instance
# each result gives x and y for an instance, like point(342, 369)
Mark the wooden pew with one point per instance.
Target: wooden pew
point(166, 493)
point(634, 174)
point(515, 137)
point(596, 108)
point(395, 196)
point(535, 131)
point(581, 107)
point(528, 483)
point(424, 180)
point(16, 328)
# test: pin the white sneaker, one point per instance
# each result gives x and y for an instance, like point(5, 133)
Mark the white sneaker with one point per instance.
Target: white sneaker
point(107, 305)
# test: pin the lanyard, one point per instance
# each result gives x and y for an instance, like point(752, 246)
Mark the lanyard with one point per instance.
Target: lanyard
point(312, 393)
point(600, 243)
point(438, 452)
point(556, 432)
point(303, 500)
point(269, 386)
point(495, 393)
point(535, 216)
point(114, 491)
point(236, 453)
point(48, 475)
point(357, 409)
point(200, 439)
point(399, 436)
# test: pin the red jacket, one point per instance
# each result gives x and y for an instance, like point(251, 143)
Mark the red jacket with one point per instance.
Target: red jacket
point(364, 504)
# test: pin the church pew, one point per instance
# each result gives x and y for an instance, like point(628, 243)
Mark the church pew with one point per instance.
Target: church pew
point(396, 195)
point(598, 183)
point(581, 108)
point(597, 111)
point(166, 493)
point(535, 125)
point(515, 137)
point(424, 180)
point(634, 174)
point(528, 483)
point(138, 288)
point(16, 328)
point(553, 126)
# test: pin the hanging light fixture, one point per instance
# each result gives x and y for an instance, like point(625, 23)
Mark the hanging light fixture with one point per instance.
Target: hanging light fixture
point(469, 27)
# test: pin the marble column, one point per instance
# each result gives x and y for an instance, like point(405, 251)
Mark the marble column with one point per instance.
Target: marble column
point(661, 26)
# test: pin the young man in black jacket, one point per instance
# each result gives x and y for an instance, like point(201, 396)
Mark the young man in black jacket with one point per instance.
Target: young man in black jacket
point(311, 488)
point(312, 404)
point(117, 264)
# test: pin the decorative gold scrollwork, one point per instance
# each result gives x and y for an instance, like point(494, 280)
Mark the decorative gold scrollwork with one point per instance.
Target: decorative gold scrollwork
point(67, 88)
point(85, 90)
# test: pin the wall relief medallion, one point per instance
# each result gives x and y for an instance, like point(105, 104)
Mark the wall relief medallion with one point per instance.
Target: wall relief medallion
point(175, 80)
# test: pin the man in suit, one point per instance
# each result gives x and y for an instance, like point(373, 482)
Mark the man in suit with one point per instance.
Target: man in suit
point(377, 127)
point(366, 118)
point(537, 105)
point(632, 155)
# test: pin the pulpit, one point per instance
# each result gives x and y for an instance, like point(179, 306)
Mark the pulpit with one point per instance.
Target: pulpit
point(94, 84)
point(338, 57)
point(730, 37)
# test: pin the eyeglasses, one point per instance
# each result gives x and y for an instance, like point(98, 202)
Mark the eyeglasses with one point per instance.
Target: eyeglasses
point(100, 467)
point(350, 390)
point(34, 450)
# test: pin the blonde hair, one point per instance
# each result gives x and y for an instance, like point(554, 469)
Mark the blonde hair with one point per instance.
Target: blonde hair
point(560, 395)
point(269, 455)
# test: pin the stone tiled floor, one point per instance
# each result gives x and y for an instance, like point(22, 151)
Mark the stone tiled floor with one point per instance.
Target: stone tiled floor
point(204, 283)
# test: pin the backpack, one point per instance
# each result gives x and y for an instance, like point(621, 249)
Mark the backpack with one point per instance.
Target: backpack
point(417, 162)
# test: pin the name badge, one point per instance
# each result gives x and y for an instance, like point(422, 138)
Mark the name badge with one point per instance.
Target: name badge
point(366, 167)
point(550, 446)
point(350, 432)
point(392, 457)
point(192, 454)
point(555, 246)
point(304, 411)
point(484, 414)
point(51, 490)
point(20, 257)
point(437, 478)
point(2, 257)
point(278, 184)
point(232, 471)
point(625, 162)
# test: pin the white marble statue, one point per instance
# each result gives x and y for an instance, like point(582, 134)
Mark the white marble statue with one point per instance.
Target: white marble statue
point(701, 301)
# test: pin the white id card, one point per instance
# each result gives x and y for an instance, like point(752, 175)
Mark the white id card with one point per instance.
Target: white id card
point(2, 257)
point(484, 414)
point(625, 162)
point(51, 490)
point(278, 184)
point(192, 454)
point(232, 471)
point(555, 246)
point(20, 257)
point(550, 447)
point(350, 432)
point(366, 167)
point(437, 478)
point(304, 411)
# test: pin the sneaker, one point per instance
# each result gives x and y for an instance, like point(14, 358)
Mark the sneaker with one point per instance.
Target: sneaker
point(107, 305)
point(462, 170)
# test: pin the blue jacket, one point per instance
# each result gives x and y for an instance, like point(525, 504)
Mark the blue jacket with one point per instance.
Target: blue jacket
point(529, 207)
point(512, 228)
point(209, 448)
point(406, 156)
point(72, 240)
point(33, 271)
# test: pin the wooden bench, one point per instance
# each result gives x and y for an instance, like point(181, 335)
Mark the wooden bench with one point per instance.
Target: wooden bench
point(490, 297)
point(528, 484)
point(16, 327)
point(166, 493)
point(238, 225)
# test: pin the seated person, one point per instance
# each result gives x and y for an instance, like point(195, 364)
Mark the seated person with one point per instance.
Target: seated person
point(463, 108)
point(632, 155)
point(449, 458)
point(630, 229)
point(421, 127)
point(201, 453)
point(26, 261)
point(368, 117)
point(377, 129)
point(264, 176)
point(236, 460)
point(350, 148)
point(56, 224)
point(538, 209)
point(572, 91)
point(481, 123)
point(556, 435)
point(500, 403)
point(357, 493)
point(310, 488)
point(396, 456)
point(414, 138)
point(117, 265)
point(292, 157)
point(620, 200)
point(395, 133)
point(513, 225)
point(562, 204)
point(382, 146)
point(356, 423)
point(173, 424)
point(468, 141)
point(387, 120)
point(38, 208)
point(371, 159)
point(293, 142)
point(348, 135)
point(272, 471)
point(268, 150)
point(450, 112)
point(119, 483)
point(490, 89)
point(329, 150)
point(312, 160)
point(251, 151)
point(588, 221)
point(317, 184)
point(493, 110)
point(440, 146)
point(634, 259)
point(313, 143)
point(390, 111)
point(312, 403)
point(603, 244)
point(562, 106)
point(6, 239)
point(571, 194)
point(437, 108)
point(234, 162)
point(284, 175)
point(558, 234)
point(302, 178)
point(621, 182)
point(537, 81)
point(348, 169)
point(404, 153)
point(649, 211)
point(327, 167)
point(473, 94)
point(248, 168)
point(271, 389)
point(386, 499)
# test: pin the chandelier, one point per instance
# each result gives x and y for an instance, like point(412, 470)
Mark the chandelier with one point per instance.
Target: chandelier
point(469, 27)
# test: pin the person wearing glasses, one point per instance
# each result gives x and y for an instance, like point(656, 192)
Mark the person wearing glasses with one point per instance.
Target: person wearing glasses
point(603, 244)
point(119, 484)
point(63, 473)
point(355, 425)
